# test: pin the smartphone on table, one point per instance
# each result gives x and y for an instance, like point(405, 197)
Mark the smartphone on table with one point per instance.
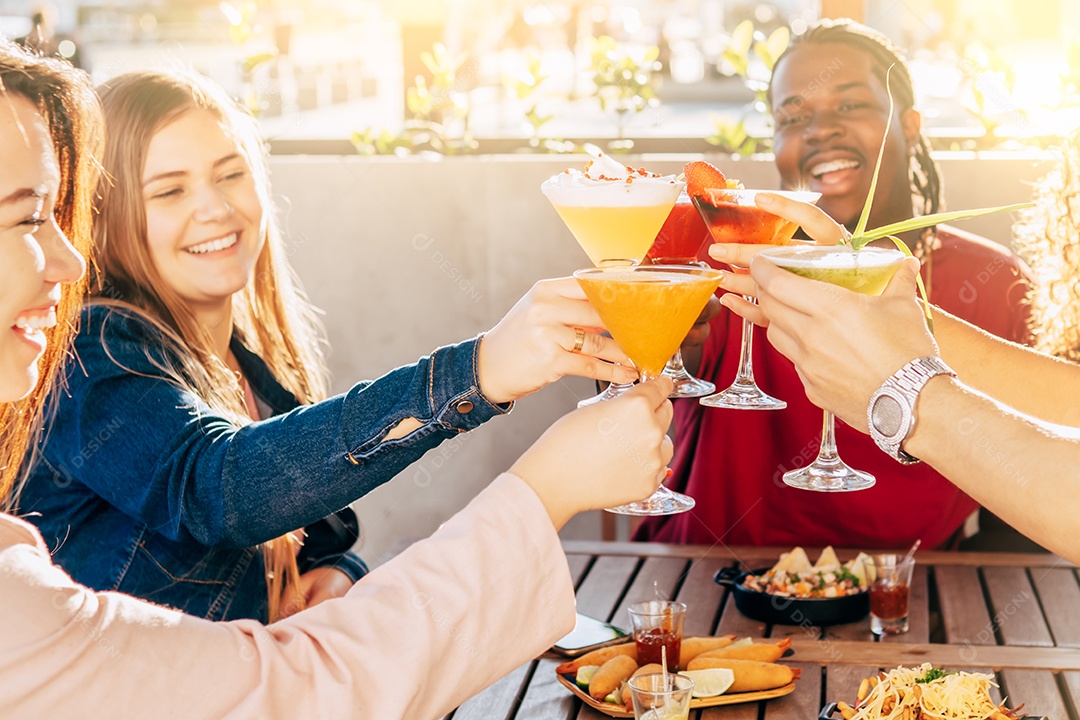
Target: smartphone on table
point(589, 634)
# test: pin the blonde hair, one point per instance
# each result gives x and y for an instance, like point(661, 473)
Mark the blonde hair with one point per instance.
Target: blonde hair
point(1047, 236)
point(271, 315)
point(66, 100)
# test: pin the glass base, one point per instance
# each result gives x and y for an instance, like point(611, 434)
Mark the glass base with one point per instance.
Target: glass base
point(686, 385)
point(888, 626)
point(661, 502)
point(829, 475)
point(613, 391)
point(743, 396)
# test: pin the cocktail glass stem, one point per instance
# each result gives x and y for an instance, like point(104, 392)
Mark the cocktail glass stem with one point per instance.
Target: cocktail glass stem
point(612, 391)
point(686, 385)
point(828, 473)
point(661, 502)
point(744, 394)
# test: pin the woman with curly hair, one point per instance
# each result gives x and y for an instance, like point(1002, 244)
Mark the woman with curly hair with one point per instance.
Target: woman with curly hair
point(1048, 237)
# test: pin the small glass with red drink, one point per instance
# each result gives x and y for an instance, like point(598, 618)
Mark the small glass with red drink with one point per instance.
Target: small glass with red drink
point(658, 624)
point(889, 594)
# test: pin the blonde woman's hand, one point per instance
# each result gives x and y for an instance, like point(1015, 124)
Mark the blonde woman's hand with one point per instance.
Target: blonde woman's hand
point(534, 344)
point(606, 454)
point(814, 222)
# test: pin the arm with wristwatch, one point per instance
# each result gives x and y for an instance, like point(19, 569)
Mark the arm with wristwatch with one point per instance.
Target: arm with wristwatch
point(991, 416)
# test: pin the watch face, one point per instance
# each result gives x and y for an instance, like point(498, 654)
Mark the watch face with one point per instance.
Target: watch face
point(888, 416)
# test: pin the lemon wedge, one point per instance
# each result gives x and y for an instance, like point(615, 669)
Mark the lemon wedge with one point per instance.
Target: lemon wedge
point(710, 682)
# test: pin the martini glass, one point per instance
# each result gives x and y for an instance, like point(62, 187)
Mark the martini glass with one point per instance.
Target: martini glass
point(732, 217)
point(648, 310)
point(615, 223)
point(866, 271)
point(678, 243)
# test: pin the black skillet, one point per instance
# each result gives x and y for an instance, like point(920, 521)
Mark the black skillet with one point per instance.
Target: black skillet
point(779, 610)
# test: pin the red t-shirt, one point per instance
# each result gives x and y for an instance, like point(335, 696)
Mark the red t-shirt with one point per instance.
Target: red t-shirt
point(731, 461)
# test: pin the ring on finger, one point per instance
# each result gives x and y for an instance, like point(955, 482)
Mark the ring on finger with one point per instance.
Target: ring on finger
point(579, 340)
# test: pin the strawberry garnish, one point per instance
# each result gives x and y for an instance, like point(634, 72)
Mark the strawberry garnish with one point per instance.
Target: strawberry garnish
point(700, 176)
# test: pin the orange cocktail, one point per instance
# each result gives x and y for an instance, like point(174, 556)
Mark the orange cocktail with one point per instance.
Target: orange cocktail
point(648, 309)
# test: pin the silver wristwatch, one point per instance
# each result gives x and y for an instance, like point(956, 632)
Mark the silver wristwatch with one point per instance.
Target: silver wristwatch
point(891, 412)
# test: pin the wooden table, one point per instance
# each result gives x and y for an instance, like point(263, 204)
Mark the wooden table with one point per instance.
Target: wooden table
point(1017, 616)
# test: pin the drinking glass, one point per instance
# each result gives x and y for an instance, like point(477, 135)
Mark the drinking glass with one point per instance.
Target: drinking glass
point(658, 624)
point(890, 594)
point(659, 697)
point(648, 309)
point(733, 217)
point(867, 271)
point(612, 229)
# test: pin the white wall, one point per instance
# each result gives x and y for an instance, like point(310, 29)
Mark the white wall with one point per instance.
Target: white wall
point(406, 254)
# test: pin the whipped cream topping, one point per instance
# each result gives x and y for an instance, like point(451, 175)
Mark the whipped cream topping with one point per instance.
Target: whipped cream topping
point(607, 182)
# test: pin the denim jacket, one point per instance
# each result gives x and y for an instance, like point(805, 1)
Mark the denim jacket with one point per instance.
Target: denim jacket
point(143, 489)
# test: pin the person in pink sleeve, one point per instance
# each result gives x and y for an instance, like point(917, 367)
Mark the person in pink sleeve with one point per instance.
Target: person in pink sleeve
point(413, 639)
point(830, 107)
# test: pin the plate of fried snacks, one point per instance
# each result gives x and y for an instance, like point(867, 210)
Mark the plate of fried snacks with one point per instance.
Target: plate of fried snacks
point(794, 592)
point(924, 693)
point(725, 671)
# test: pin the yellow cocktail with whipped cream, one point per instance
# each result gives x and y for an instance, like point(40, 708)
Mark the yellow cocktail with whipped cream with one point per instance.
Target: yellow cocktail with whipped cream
point(613, 210)
point(614, 235)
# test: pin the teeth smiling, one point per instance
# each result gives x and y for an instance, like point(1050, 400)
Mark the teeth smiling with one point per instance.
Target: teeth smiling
point(213, 245)
point(832, 166)
point(36, 322)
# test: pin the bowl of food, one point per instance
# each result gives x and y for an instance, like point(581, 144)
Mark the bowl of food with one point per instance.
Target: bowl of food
point(794, 592)
point(924, 693)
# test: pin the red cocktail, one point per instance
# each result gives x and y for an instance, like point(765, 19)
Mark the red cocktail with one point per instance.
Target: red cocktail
point(733, 216)
point(682, 236)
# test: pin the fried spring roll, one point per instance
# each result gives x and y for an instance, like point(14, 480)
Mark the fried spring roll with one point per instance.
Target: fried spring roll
point(694, 646)
point(762, 652)
point(750, 675)
point(610, 675)
point(598, 657)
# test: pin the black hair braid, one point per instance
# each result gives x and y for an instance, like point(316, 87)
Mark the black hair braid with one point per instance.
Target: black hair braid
point(926, 187)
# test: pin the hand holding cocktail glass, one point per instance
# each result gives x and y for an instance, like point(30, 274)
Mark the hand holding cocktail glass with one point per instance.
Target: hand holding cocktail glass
point(866, 272)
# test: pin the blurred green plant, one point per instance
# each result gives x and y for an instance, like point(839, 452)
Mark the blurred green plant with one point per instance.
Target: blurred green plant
point(524, 87)
point(242, 29)
point(439, 111)
point(747, 44)
point(991, 83)
point(623, 77)
point(731, 136)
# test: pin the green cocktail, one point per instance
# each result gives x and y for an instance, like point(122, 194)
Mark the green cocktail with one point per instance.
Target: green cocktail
point(866, 271)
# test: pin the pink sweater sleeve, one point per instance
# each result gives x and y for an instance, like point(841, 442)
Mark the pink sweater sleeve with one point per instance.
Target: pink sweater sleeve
point(419, 635)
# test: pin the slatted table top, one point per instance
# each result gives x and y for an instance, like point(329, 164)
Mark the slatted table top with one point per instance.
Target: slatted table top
point(1015, 615)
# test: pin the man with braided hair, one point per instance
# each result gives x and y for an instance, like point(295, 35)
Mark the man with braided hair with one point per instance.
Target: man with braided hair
point(830, 107)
